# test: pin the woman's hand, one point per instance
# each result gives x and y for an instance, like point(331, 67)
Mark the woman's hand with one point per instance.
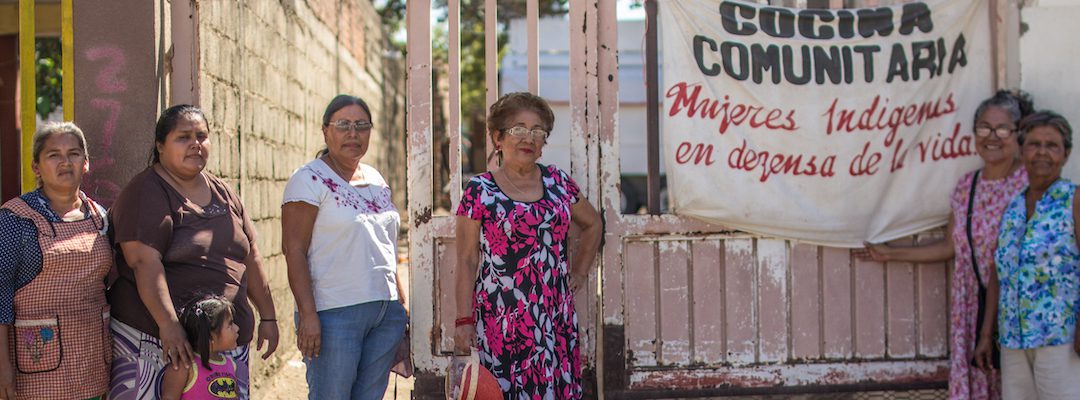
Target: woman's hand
point(984, 353)
point(175, 348)
point(309, 335)
point(464, 338)
point(873, 252)
point(578, 281)
point(1076, 339)
point(268, 333)
point(7, 381)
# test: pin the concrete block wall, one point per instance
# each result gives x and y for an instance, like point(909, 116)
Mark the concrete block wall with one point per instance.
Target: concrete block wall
point(267, 71)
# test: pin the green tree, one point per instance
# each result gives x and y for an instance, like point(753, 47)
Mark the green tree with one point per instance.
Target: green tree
point(50, 75)
point(473, 93)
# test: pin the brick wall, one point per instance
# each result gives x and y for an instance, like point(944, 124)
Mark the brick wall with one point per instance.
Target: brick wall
point(267, 71)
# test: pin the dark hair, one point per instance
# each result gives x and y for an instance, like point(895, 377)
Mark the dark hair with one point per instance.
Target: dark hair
point(509, 105)
point(1016, 102)
point(201, 317)
point(167, 122)
point(341, 101)
point(1047, 118)
point(49, 129)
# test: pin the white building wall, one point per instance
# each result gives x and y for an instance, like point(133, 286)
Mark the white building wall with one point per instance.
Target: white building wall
point(555, 87)
point(1048, 63)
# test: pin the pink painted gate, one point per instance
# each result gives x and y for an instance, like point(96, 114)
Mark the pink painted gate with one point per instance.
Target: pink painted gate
point(676, 307)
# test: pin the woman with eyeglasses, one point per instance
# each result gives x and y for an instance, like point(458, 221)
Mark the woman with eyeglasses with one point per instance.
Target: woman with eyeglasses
point(339, 235)
point(1035, 289)
point(54, 256)
point(515, 282)
point(977, 203)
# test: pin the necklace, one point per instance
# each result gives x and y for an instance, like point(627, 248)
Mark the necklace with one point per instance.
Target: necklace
point(341, 171)
point(511, 181)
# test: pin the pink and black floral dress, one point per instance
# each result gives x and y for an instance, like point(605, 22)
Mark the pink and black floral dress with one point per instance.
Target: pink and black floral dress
point(527, 330)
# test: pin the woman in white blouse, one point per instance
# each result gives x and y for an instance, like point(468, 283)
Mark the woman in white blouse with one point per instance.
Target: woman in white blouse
point(339, 236)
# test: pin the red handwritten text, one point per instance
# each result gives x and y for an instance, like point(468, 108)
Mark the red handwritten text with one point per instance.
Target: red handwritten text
point(878, 115)
point(687, 98)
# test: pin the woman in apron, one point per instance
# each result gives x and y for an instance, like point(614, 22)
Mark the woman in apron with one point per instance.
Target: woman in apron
point(54, 256)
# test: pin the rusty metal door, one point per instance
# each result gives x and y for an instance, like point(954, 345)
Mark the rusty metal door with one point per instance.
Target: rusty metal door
point(676, 307)
point(432, 251)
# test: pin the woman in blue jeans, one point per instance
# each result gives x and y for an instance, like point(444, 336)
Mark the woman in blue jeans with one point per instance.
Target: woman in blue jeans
point(339, 236)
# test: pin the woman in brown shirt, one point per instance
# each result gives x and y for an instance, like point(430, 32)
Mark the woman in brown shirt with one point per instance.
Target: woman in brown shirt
point(180, 233)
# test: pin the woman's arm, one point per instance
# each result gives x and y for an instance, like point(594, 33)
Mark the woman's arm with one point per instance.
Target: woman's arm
point(1076, 235)
point(936, 251)
point(297, 224)
point(174, 382)
point(154, 293)
point(7, 370)
point(14, 255)
point(468, 259)
point(585, 217)
point(259, 294)
point(401, 292)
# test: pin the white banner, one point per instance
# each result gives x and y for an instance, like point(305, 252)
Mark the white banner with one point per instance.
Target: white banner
point(825, 126)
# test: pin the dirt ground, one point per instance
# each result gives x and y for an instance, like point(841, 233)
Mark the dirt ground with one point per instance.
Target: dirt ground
point(289, 384)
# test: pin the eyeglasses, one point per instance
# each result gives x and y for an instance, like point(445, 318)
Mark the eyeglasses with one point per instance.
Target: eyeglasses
point(522, 132)
point(1050, 147)
point(1002, 132)
point(343, 126)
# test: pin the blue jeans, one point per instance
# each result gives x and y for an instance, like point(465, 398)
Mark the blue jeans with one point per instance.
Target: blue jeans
point(358, 346)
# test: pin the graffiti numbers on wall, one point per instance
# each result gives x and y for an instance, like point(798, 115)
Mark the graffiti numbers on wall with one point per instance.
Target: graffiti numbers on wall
point(109, 86)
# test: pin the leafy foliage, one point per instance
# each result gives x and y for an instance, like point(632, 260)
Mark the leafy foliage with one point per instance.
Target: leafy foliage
point(50, 75)
point(473, 90)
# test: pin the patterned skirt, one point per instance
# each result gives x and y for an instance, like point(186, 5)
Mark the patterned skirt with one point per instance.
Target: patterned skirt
point(137, 368)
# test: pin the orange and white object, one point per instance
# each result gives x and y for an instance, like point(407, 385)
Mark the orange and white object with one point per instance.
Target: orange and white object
point(467, 379)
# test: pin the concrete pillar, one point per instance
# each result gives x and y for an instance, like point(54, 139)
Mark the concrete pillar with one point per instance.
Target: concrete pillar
point(119, 67)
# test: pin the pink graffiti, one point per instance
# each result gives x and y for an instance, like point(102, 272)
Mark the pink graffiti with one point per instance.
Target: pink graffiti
point(109, 81)
point(113, 108)
point(100, 189)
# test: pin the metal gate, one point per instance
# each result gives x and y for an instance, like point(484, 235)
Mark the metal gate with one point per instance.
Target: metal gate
point(676, 307)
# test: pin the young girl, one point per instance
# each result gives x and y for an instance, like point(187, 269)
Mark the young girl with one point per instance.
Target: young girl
point(208, 323)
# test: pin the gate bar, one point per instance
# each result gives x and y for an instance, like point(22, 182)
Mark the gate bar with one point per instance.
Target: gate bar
point(652, 94)
point(532, 18)
point(27, 90)
point(454, 120)
point(67, 51)
point(491, 65)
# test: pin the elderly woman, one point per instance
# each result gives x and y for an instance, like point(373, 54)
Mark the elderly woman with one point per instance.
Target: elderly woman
point(1037, 279)
point(180, 232)
point(977, 203)
point(339, 236)
point(54, 256)
point(512, 227)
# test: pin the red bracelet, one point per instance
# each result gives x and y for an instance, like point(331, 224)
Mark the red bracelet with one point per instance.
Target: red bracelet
point(464, 321)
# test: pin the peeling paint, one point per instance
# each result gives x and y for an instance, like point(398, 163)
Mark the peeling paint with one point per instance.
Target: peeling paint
point(790, 375)
point(422, 217)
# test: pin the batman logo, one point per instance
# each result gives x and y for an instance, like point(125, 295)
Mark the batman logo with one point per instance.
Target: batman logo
point(222, 388)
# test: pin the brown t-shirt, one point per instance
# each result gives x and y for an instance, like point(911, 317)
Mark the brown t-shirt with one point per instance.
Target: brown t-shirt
point(202, 248)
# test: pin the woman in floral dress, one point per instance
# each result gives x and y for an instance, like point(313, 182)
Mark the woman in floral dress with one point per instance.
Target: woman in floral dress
point(517, 309)
point(1038, 263)
point(1001, 177)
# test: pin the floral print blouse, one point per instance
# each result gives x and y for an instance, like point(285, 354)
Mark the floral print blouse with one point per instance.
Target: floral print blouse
point(1038, 272)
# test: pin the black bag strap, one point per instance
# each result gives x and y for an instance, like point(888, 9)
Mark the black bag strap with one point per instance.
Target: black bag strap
point(979, 316)
point(971, 241)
